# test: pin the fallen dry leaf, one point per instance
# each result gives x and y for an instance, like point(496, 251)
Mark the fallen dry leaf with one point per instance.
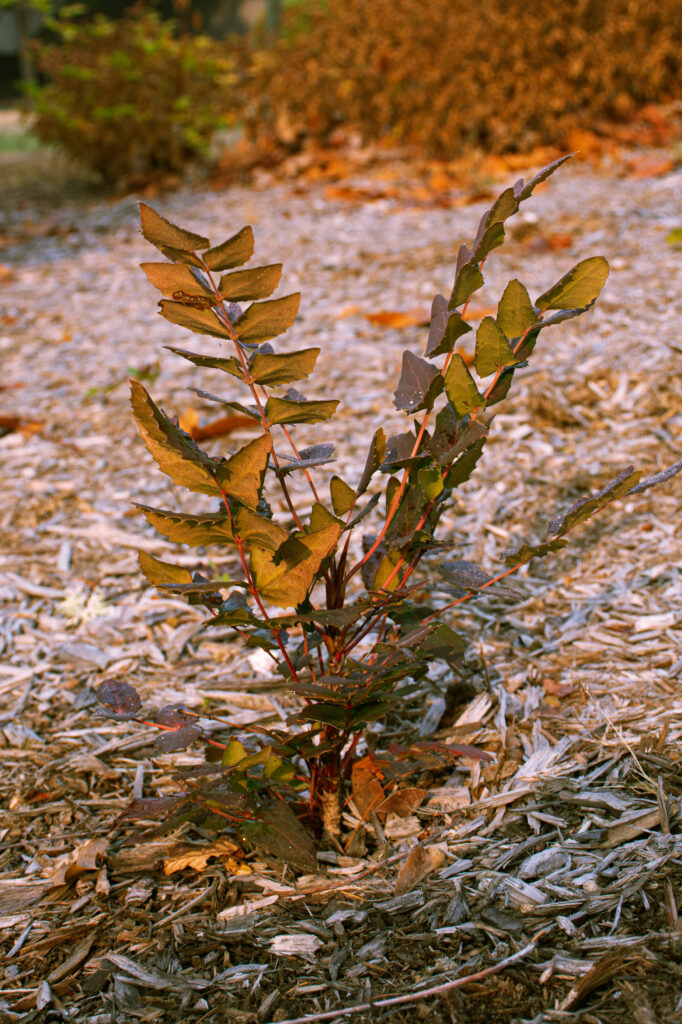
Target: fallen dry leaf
point(367, 790)
point(15, 424)
point(402, 802)
point(83, 858)
point(197, 857)
point(420, 862)
point(556, 688)
point(418, 316)
point(649, 167)
point(189, 422)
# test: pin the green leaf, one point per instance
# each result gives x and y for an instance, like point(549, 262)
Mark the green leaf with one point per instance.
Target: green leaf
point(493, 351)
point(174, 450)
point(285, 583)
point(526, 191)
point(430, 482)
point(343, 496)
point(234, 752)
point(232, 253)
point(326, 712)
point(465, 465)
point(375, 458)
point(579, 287)
point(161, 233)
point(272, 368)
point(502, 209)
point(242, 476)
point(460, 387)
point(446, 327)
point(160, 573)
point(265, 320)
point(229, 364)
point(418, 385)
point(201, 321)
point(247, 285)
point(469, 279)
point(515, 313)
point(194, 530)
point(281, 410)
point(177, 281)
point(526, 552)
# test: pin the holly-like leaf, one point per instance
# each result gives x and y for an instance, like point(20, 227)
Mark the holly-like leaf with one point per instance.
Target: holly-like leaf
point(247, 285)
point(285, 582)
point(242, 476)
point(416, 383)
point(179, 280)
point(193, 530)
point(469, 279)
point(282, 410)
point(161, 233)
point(445, 328)
point(176, 739)
point(526, 191)
point(316, 455)
point(502, 209)
point(160, 573)
point(323, 711)
point(375, 458)
point(201, 321)
point(232, 253)
point(461, 470)
point(174, 450)
point(586, 507)
point(279, 832)
point(258, 530)
point(526, 552)
point(229, 364)
point(465, 575)
point(452, 435)
point(265, 320)
point(493, 351)
point(343, 497)
point(121, 698)
point(273, 369)
point(515, 313)
point(460, 387)
point(579, 287)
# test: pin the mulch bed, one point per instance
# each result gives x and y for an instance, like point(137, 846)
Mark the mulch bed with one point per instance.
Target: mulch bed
point(556, 874)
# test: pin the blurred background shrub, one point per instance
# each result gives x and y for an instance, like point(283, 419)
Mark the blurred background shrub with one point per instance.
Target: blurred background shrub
point(446, 75)
point(131, 99)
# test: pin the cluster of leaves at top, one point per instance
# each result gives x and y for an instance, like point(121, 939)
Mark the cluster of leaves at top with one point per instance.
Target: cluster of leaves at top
point(350, 654)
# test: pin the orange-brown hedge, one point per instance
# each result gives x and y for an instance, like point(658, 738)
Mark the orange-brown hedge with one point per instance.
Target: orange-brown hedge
point(446, 75)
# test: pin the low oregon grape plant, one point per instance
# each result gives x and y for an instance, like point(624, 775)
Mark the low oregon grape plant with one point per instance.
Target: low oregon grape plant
point(351, 635)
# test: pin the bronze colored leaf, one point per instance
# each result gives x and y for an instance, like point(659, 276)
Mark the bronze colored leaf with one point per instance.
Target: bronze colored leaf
point(460, 387)
point(159, 573)
point(232, 253)
point(280, 410)
point(469, 280)
point(241, 477)
point(493, 351)
point(193, 530)
point(273, 369)
point(227, 363)
point(201, 321)
point(579, 287)
point(515, 313)
point(265, 320)
point(285, 582)
point(161, 233)
point(421, 861)
point(343, 497)
point(247, 285)
point(367, 790)
point(402, 802)
point(176, 280)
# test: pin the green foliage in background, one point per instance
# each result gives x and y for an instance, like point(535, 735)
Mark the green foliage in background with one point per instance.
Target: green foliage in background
point(128, 98)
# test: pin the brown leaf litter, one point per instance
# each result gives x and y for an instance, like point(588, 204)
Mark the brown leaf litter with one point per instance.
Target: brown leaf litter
point(542, 887)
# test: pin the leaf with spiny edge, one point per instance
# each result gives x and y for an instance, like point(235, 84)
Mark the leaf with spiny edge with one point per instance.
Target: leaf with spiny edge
point(282, 410)
point(525, 191)
point(233, 253)
point(162, 233)
point(160, 573)
point(201, 321)
point(193, 530)
point(272, 369)
point(178, 280)
point(247, 285)
point(242, 476)
point(228, 364)
point(286, 583)
point(265, 320)
point(461, 470)
point(461, 388)
point(526, 552)
point(586, 507)
point(579, 287)
point(493, 351)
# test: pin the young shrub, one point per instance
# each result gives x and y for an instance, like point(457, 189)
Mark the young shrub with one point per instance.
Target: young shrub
point(350, 635)
point(129, 99)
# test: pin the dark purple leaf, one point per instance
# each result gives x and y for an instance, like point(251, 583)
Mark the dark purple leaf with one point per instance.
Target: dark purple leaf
point(280, 833)
point(146, 808)
point(659, 478)
point(173, 715)
point(176, 739)
point(415, 382)
point(121, 698)
point(464, 575)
